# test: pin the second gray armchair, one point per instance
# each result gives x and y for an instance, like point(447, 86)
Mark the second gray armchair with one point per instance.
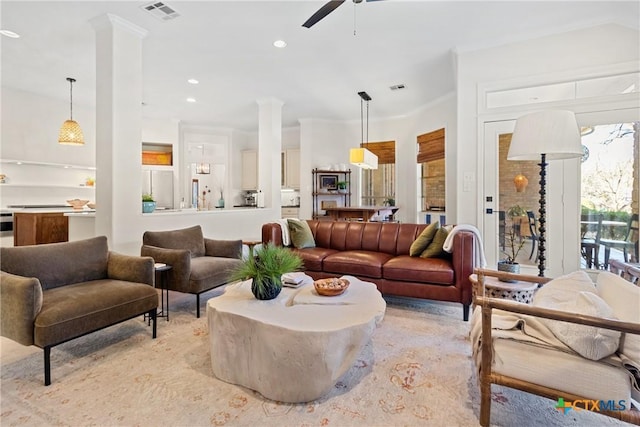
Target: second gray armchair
point(199, 264)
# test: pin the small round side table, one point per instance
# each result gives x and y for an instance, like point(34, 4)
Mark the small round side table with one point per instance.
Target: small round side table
point(162, 273)
point(494, 288)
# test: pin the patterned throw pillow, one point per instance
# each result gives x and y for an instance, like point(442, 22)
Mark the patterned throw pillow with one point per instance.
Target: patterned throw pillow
point(300, 234)
point(423, 240)
point(435, 250)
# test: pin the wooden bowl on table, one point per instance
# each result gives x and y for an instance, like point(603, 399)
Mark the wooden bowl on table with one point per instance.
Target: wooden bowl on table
point(331, 287)
point(77, 204)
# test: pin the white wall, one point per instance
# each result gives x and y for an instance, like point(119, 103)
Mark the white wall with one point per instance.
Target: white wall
point(566, 53)
point(30, 125)
point(585, 53)
point(327, 142)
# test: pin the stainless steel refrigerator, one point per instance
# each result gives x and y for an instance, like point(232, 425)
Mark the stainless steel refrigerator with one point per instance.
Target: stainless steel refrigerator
point(160, 185)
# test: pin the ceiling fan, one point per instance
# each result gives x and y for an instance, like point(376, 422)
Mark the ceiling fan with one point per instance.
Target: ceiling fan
point(325, 10)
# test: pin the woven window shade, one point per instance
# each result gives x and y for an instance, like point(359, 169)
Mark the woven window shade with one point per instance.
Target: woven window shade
point(431, 146)
point(385, 150)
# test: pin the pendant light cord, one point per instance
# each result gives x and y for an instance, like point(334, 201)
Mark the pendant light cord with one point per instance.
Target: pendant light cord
point(71, 93)
point(361, 124)
point(367, 124)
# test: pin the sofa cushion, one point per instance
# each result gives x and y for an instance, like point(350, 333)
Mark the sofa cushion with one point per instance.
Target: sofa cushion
point(411, 269)
point(312, 257)
point(423, 240)
point(190, 239)
point(435, 248)
point(59, 264)
point(356, 263)
point(74, 310)
point(208, 272)
point(624, 298)
point(300, 233)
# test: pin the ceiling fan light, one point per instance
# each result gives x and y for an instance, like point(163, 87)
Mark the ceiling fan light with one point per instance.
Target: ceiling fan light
point(70, 133)
point(363, 158)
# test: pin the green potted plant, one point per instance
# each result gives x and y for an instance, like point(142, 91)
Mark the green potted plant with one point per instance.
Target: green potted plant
point(342, 186)
point(266, 268)
point(513, 242)
point(148, 203)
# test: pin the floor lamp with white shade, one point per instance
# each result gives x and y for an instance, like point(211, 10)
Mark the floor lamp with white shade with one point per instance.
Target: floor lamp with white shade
point(545, 135)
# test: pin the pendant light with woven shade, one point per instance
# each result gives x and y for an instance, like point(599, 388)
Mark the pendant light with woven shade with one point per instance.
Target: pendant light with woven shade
point(70, 132)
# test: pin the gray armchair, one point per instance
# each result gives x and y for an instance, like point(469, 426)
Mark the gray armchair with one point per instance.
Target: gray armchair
point(198, 264)
point(53, 293)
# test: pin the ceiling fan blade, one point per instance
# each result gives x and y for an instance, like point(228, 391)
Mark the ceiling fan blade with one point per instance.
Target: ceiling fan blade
point(322, 12)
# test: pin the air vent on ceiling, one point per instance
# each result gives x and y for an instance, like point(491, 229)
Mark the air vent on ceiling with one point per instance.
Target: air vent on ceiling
point(397, 87)
point(160, 10)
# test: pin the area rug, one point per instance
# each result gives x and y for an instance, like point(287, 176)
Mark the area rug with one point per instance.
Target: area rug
point(416, 371)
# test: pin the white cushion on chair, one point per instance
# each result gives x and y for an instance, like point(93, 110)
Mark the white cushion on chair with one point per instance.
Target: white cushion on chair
point(560, 370)
point(624, 299)
point(576, 293)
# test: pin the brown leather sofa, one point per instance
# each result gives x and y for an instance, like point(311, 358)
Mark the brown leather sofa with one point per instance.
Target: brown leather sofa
point(379, 253)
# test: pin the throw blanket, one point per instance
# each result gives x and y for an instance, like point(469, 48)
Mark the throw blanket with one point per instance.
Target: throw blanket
point(480, 260)
point(284, 225)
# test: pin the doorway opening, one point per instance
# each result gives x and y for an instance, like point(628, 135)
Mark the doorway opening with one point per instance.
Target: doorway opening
point(609, 194)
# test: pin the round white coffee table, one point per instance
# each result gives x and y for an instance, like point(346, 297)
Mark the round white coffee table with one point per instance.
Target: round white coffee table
point(295, 347)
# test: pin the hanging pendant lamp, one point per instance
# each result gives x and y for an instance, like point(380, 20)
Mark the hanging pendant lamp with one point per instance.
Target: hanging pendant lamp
point(70, 132)
point(203, 168)
point(362, 157)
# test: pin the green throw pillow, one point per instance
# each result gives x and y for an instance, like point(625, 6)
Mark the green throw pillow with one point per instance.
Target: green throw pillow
point(300, 234)
point(423, 240)
point(434, 250)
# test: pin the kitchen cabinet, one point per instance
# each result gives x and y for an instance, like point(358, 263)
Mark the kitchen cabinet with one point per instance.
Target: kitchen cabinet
point(291, 168)
point(249, 170)
point(288, 212)
point(35, 228)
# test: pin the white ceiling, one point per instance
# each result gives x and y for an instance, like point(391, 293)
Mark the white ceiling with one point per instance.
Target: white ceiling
point(227, 46)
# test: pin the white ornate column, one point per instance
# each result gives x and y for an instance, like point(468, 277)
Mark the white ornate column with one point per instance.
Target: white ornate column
point(269, 149)
point(118, 126)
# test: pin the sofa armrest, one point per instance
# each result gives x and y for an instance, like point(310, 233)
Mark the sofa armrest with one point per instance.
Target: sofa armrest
point(130, 268)
point(463, 260)
point(223, 248)
point(178, 259)
point(272, 233)
point(20, 303)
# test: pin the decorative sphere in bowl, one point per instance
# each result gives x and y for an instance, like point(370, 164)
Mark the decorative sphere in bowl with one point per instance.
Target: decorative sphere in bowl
point(331, 287)
point(91, 205)
point(77, 203)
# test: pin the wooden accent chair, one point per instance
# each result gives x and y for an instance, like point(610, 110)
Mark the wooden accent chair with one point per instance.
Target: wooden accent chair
point(628, 270)
point(493, 373)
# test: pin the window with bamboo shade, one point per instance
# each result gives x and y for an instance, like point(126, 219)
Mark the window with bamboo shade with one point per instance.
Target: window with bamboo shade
point(431, 157)
point(378, 185)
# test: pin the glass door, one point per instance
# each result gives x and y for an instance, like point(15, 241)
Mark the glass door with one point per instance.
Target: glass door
point(609, 194)
point(510, 201)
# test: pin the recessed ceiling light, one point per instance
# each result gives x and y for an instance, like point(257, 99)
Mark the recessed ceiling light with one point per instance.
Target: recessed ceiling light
point(193, 81)
point(280, 43)
point(9, 33)
point(191, 100)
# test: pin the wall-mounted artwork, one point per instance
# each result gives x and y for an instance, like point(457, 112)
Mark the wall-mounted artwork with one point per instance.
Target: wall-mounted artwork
point(329, 182)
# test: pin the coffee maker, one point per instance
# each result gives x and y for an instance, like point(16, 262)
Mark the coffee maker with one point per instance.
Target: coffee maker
point(250, 198)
